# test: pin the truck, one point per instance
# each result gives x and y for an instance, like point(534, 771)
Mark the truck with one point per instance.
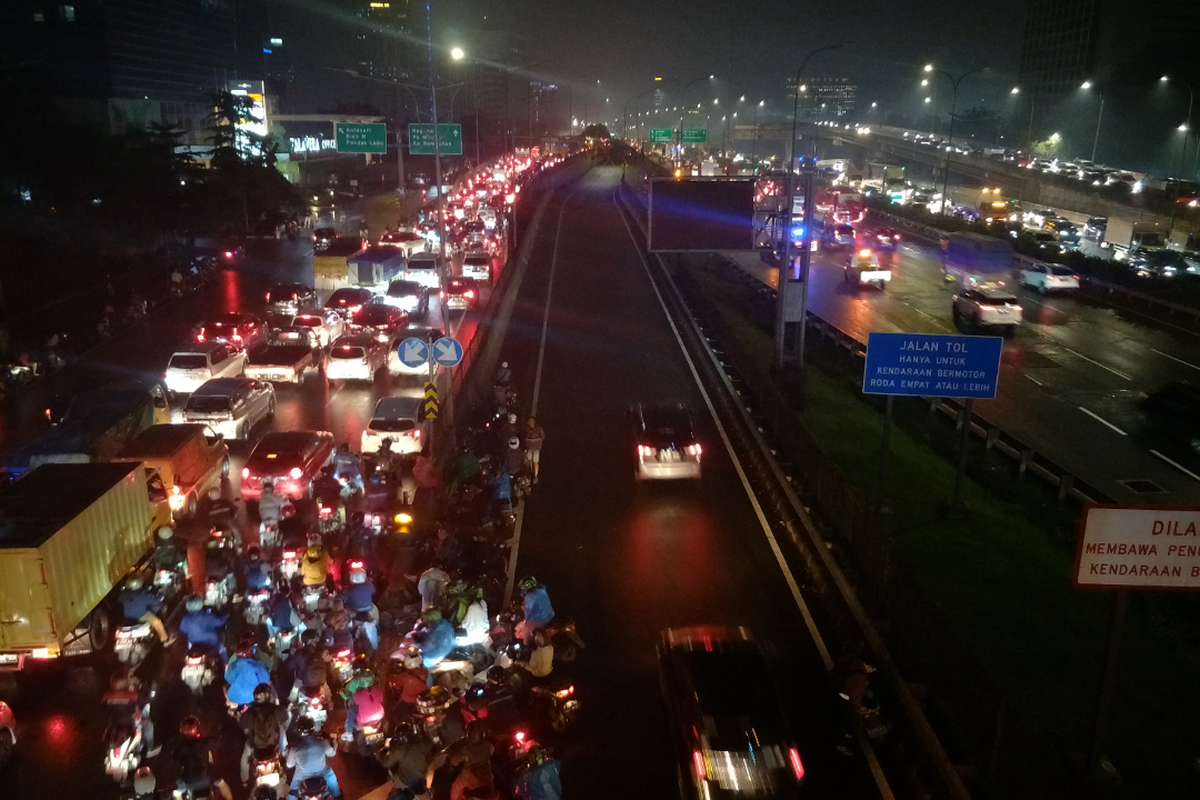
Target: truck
point(283, 359)
point(376, 267)
point(981, 202)
point(94, 425)
point(973, 259)
point(331, 266)
point(1127, 238)
point(889, 180)
point(70, 534)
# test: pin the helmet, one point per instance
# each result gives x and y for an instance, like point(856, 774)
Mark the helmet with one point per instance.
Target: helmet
point(165, 532)
point(309, 636)
point(536, 756)
point(361, 664)
point(344, 447)
point(456, 588)
point(433, 615)
point(134, 584)
point(268, 487)
point(504, 365)
point(312, 553)
point(246, 645)
point(412, 659)
point(386, 443)
point(476, 728)
point(358, 576)
point(305, 726)
point(476, 593)
point(402, 732)
point(288, 511)
point(194, 604)
point(190, 727)
point(263, 693)
point(214, 493)
point(528, 583)
point(512, 418)
point(253, 553)
point(314, 539)
point(376, 479)
point(514, 443)
point(143, 781)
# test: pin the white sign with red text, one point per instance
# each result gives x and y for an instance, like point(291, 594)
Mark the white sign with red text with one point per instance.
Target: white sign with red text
point(1138, 547)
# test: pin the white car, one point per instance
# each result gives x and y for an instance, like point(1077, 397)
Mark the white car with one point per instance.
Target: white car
point(398, 419)
point(324, 325)
point(355, 358)
point(398, 367)
point(426, 269)
point(194, 364)
point(477, 267)
point(1048, 278)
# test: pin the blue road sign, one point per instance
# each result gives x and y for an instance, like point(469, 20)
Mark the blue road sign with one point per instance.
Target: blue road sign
point(447, 352)
point(413, 352)
point(932, 365)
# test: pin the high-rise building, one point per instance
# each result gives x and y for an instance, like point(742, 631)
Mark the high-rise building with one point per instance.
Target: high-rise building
point(385, 47)
point(122, 62)
point(822, 98)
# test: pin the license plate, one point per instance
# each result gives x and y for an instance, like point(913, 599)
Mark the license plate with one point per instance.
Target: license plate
point(269, 779)
point(10, 660)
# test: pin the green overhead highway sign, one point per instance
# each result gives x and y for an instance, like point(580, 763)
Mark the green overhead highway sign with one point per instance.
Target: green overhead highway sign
point(695, 135)
point(661, 135)
point(420, 139)
point(360, 137)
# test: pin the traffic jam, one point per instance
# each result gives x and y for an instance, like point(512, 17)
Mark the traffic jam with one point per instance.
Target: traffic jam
point(327, 601)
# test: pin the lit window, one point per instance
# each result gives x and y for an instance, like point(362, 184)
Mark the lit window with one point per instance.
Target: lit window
point(68, 13)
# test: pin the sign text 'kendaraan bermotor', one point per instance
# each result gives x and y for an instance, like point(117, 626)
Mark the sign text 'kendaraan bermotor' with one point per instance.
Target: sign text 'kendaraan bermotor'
point(1139, 547)
point(931, 365)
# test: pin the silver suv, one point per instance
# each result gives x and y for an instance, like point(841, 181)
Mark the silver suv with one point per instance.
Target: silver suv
point(987, 307)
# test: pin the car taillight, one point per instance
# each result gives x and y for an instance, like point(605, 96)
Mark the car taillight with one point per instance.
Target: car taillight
point(289, 553)
point(194, 661)
point(693, 449)
point(207, 373)
point(442, 295)
point(116, 752)
point(296, 473)
point(698, 760)
point(200, 336)
point(229, 254)
point(520, 737)
point(470, 293)
point(567, 692)
point(416, 434)
point(797, 766)
point(344, 654)
point(356, 565)
point(245, 473)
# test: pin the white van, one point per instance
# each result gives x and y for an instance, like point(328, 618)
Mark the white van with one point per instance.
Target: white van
point(426, 269)
point(398, 419)
point(195, 363)
point(231, 406)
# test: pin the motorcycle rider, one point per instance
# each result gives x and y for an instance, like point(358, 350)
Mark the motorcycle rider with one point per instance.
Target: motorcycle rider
point(167, 554)
point(328, 492)
point(194, 757)
point(852, 675)
point(346, 466)
point(406, 759)
point(379, 493)
point(500, 383)
point(432, 587)
point(360, 537)
point(410, 683)
point(539, 780)
point(220, 562)
point(314, 566)
point(129, 704)
point(506, 431)
point(536, 606)
point(308, 757)
point(435, 636)
point(359, 598)
point(361, 694)
point(447, 551)
point(245, 672)
point(540, 663)
point(256, 572)
point(309, 667)
point(270, 505)
point(281, 613)
point(476, 622)
point(203, 626)
point(140, 602)
point(501, 486)
point(265, 726)
point(472, 757)
point(514, 457)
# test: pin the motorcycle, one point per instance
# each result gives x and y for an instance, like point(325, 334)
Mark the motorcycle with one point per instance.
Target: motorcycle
point(289, 564)
point(132, 642)
point(431, 712)
point(343, 655)
point(284, 641)
point(316, 598)
point(123, 753)
point(199, 668)
point(217, 592)
point(266, 770)
point(565, 638)
point(313, 789)
point(311, 707)
point(169, 583)
point(556, 701)
point(268, 535)
point(255, 607)
point(328, 520)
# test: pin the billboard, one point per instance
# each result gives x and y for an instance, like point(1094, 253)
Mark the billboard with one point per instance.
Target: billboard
point(1138, 547)
point(701, 214)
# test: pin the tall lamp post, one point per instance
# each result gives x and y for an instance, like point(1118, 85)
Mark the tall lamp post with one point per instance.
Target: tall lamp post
point(954, 82)
point(1186, 127)
point(1100, 116)
point(625, 111)
point(785, 261)
point(682, 111)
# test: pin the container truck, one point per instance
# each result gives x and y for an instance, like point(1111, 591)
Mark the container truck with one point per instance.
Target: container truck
point(331, 266)
point(69, 536)
point(1128, 238)
point(972, 259)
point(889, 180)
point(981, 202)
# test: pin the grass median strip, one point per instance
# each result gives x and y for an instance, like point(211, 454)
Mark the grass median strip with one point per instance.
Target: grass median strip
point(1002, 578)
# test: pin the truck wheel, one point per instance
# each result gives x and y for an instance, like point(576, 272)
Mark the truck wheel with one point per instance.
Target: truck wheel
point(100, 628)
point(225, 467)
point(189, 508)
point(271, 406)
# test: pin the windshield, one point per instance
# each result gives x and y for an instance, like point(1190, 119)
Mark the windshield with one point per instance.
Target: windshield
point(349, 352)
point(208, 405)
point(421, 263)
point(403, 289)
point(188, 361)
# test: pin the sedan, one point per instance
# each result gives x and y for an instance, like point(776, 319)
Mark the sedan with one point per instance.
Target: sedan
point(291, 298)
point(1158, 264)
point(408, 296)
point(460, 293)
point(324, 326)
point(245, 330)
point(883, 239)
point(323, 237)
point(349, 299)
point(409, 241)
point(665, 441)
point(987, 307)
point(288, 459)
point(355, 358)
point(379, 320)
point(1095, 227)
point(1048, 278)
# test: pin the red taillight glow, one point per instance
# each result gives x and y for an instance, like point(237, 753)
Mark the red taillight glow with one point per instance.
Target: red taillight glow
point(693, 450)
point(896, 237)
point(289, 553)
point(356, 565)
point(315, 702)
point(698, 760)
point(416, 434)
point(343, 654)
point(229, 254)
point(194, 661)
point(864, 253)
point(797, 766)
point(296, 473)
point(245, 473)
point(520, 736)
point(470, 293)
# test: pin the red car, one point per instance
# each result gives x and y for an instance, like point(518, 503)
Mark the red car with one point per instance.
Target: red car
point(378, 320)
point(290, 460)
point(245, 330)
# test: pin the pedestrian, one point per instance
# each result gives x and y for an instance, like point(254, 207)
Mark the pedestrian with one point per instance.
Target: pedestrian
point(534, 436)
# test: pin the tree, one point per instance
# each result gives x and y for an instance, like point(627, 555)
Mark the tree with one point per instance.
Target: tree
point(595, 131)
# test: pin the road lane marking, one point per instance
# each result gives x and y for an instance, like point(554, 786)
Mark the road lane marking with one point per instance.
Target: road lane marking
point(823, 650)
point(1176, 465)
point(515, 544)
point(537, 377)
point(1102, 420)
point(1118, 373)
point(1173, 358)
point(1035, 380)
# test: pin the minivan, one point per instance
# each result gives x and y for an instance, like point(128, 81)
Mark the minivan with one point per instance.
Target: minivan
point(425, 268)
point(398, 419)
point(198, 362)
point(191, 459)
point(231, 406)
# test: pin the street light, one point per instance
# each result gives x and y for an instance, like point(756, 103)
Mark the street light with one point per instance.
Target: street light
point(1100, 116)
point(954, 82)
point(1186, 126)
point(679, 152)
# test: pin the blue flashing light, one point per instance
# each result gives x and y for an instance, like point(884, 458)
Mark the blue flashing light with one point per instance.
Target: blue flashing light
point(268, 50)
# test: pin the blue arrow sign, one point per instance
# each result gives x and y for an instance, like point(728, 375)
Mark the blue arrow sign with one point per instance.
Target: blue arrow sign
point(447, 352)
point(413, 353)
point(932, 365)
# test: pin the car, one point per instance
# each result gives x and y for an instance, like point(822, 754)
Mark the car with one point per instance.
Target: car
point(460, 293)
point(323, 325)
point(1158, 263)
point(862, 266)
point(987, 307)
point(323, 237)
point(1036, 217)
point(409, 241)
point(355, 358)
point(426, 269)
point(837, 236)
point(290, 460)
point(883, 239)
point(1048, 278)
point(408, 296)
point(665, 441)
point(192, 365)
point(291, 298)
point(1175, 411)
point(379, 320)
point(1066, 233)
point(244, 330)
point(231, 406)
point(398, 367)
point(190, 460)
point(230, 254)
point(349, 299)
point(399, 419)
point(1095, 227)
point(726, 713)
point(1047, 242)
point(478, 267)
